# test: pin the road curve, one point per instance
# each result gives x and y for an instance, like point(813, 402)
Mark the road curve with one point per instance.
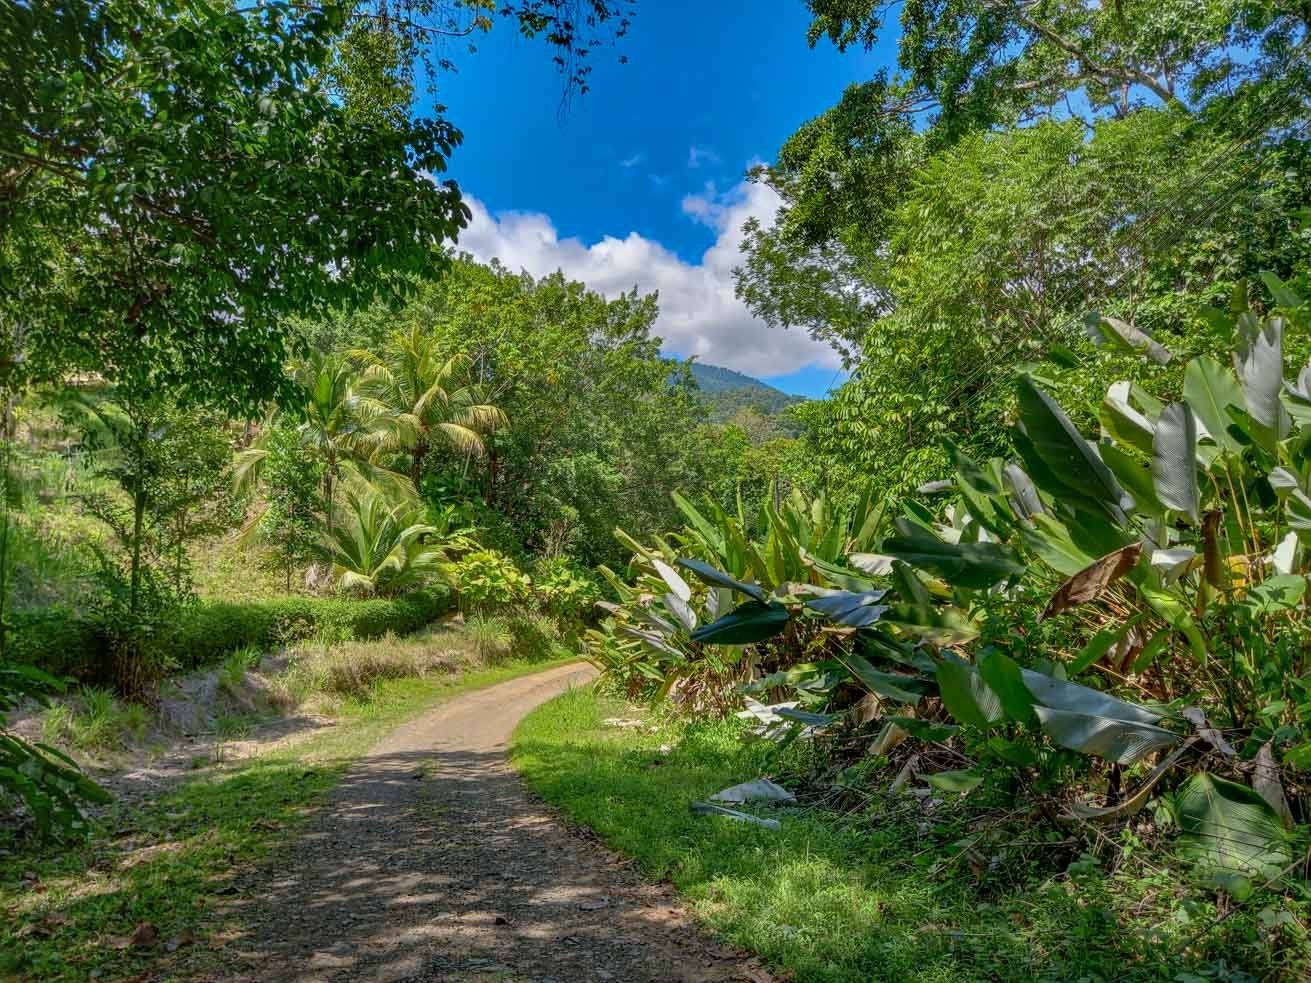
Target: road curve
point(431, 862)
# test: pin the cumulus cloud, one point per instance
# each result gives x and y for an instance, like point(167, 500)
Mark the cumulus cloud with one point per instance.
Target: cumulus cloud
point(698, 313)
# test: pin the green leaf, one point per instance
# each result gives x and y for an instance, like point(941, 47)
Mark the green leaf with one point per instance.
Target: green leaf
point(982, 491)
point(974, 565)
point(677, 585)
point(855, 610)
point(1260, 364)
point(1024, 494)
point(1061, 694)
point(939, 625)
point(805, 717)
point(681, 610)
point(1135, 477)
point(1003, 677)
point(712, 576)
point(713, 537)
point(1274, 595)
point(890, 685)
point(753, 621)
point(1283, 295)
point(1125, 337)
point(1210, 389)
point(1069, 458)
point(1051, 541)
point(1229, 828)
point(840, 577)
point(957, 782)
point(1152, 650)
point(965, 694)
point(1122, 741)
point(1174, 460)
point(1122, 421)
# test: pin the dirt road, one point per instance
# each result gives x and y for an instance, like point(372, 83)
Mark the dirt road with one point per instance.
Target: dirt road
point(431, 862)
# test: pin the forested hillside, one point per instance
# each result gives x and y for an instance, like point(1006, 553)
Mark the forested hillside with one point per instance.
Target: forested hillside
point(727, 394)
point(994, 663)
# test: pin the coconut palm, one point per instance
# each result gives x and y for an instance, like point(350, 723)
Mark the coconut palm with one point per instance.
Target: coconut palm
point(419, 401)
point(336, 425)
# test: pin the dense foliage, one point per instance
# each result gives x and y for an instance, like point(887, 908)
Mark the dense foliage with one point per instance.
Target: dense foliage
point(1163, 564)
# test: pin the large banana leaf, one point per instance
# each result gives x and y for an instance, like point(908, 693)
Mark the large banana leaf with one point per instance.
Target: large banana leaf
point(717, 578)
point(840, 576)
point(1023, 492)
point(1229, 828)
point(1121, 419)
point(1061, 694)
point(1174, 460)
point(855, 610)
point(677, 585)
point(752, 621)
point(1122, 741)
point(1051, 541)
point(653, 640)
point(965, 694)
point(1067, 456)
point(1260, 364)
point(982, 491)
point(1003, 677)
point(681, 610)
point(1135, 477)
point(1104, 330)
point(975, 565)
point(1210, 389)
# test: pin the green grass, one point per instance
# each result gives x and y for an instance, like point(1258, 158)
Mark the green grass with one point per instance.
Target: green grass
point(93, 719)
point(166, 862)
point(868, 901)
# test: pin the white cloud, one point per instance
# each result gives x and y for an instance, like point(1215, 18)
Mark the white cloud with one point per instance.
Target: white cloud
point(698, 313)
point(633, 161)
point(696, 156)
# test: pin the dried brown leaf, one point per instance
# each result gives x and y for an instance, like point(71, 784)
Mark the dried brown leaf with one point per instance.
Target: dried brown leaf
point(1088, 583)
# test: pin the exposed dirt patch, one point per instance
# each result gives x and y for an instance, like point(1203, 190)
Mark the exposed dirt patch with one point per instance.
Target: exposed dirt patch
point(432, 862)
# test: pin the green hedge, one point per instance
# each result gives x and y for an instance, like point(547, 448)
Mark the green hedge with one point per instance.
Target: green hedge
point(61, 642)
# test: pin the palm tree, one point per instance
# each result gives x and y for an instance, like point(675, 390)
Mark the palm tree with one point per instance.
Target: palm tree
point(336, 424)
point(418, 401)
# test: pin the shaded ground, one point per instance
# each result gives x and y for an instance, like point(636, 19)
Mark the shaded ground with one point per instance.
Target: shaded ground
point(430, 862)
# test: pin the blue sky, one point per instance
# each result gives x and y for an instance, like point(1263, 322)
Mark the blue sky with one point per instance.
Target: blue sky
point(640, 180)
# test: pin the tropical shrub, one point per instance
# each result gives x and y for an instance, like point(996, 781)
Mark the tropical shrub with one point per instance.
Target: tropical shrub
point(382, 546)
point(486, 579)
point(563, 590)
point(61, 642)
point(534, 637)
point(1170, 554)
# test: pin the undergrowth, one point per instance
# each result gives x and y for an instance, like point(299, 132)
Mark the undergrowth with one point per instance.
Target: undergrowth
point(887, 890)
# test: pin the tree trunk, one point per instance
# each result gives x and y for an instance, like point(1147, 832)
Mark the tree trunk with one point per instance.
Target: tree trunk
point(327, 494)
point(416, 464)
point(138, 522)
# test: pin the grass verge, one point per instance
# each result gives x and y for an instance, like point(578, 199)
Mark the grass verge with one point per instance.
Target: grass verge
point(834, 902)
point(76, 913)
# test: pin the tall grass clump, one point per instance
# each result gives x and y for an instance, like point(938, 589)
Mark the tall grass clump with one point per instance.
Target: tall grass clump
point(490, 636)
point(95, 720)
